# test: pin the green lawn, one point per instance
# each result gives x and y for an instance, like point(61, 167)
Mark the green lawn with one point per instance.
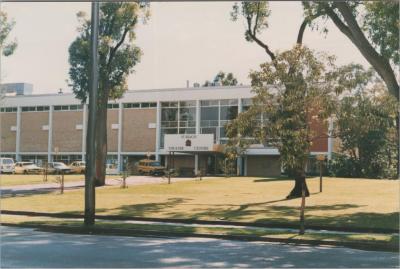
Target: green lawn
point(343, 203)
point(14, 180)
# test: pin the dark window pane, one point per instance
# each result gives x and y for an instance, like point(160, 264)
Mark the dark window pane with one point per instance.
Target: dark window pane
point(187, 130)
point(57, 107)
point(209, 113)
point(169, 114)
point(229, 112)
point(187, 103)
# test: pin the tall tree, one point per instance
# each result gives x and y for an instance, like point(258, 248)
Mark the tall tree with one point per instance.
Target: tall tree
point(222, 78)
point(366, 129)
point(296, 102)
point(373, 27)
point(117, 58)
point(7, 47)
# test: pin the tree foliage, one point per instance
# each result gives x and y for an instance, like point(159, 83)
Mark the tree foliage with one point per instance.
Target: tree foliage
point(223, 79)
point(118, 55)
point(294, 94)
point(366, 128)
point(6, 25)
point(373, 27)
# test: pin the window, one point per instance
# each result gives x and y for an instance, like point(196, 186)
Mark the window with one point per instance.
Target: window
point(113, 106)
point(8, 109)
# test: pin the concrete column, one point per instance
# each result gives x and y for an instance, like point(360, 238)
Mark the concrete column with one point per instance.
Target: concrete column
point(18, 136)
point(198, 118)
point(239, 161)
point(158, 130)
point(50, 135)
point(245, 165)
point(120, 165)
point(330, 138)
point(84, 128)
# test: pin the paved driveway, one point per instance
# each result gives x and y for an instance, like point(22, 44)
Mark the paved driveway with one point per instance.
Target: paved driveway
point(50, 187)
point(28, 248)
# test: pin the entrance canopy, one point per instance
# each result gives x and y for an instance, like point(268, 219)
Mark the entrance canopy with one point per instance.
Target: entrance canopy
point(191, 143)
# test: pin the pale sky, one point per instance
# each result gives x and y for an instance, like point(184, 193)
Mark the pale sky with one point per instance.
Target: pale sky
point(182, 41)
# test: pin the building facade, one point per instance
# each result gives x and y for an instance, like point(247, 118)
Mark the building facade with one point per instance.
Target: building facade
point(51, 127)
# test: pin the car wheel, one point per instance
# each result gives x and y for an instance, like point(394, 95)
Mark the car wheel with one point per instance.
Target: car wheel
point(25, 172)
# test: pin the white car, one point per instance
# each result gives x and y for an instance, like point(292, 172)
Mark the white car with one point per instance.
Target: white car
point(7, 166)
point(27, 168)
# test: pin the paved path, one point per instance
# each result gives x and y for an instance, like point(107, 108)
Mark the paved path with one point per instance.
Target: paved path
point(49, 187)
point(23, 247)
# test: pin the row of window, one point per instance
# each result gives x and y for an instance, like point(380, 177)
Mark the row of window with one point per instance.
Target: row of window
point(140, 105)
point(180, 104)
point(35, 108)
point(8, 109)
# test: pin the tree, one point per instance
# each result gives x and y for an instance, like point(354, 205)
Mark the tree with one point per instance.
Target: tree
point(6, 25)
point(365, 126)
point(117, 58)
point(222, 79)
point(376, 36)
point(302, 95)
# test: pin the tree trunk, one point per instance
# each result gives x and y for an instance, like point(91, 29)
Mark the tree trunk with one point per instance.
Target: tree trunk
point(300, 179)
point(101, 142)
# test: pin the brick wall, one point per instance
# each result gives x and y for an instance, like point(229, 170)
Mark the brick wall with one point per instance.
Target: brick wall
point(33, 138)
point(65, 135)
point(137, 136)
point(8, 137)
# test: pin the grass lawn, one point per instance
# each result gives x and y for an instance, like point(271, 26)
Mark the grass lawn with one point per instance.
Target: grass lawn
point(343, 203)
point(14, 180)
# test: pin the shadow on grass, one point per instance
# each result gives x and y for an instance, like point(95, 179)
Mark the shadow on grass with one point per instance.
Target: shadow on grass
point(273, 179)
point(262, 213)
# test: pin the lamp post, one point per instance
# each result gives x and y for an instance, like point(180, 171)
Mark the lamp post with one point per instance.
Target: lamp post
point(90, 136)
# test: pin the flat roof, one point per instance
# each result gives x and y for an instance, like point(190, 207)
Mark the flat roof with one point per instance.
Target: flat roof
point(131, 96)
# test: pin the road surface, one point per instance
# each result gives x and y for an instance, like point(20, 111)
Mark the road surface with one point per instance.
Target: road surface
point(21, 247)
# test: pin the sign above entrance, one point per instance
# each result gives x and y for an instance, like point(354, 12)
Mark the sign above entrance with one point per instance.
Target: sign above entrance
point(189, 142)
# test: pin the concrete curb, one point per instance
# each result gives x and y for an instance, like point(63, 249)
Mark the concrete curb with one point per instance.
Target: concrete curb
point(204, 222)
point(155, 233)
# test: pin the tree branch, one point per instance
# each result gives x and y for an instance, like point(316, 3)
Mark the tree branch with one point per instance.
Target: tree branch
point(120, 42)
point(339, 24)
point(258, 41)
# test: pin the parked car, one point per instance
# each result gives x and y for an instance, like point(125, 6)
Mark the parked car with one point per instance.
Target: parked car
point(58, 168)
point(150, 167)
point(78, 167)
point(27, 168)
point(7, 166)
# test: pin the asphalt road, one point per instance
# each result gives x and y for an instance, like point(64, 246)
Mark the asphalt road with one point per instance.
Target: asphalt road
point(21, 247)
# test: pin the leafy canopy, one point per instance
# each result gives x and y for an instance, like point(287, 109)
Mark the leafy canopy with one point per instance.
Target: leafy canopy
point(6, 26)
point(117, 53)
point(222, 79)
point(293, 94)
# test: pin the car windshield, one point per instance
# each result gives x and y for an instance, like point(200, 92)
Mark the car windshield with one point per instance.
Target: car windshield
point(7, 161)
point(155, 164)
point(26, 164)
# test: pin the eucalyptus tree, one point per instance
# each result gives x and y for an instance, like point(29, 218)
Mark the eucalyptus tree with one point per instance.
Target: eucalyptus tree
point(294, 93)
point(6, 25)
point(373, 27)
point(224, 79)
point(118, 56)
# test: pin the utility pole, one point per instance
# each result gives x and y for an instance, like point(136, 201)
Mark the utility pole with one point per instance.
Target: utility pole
point(91, 130)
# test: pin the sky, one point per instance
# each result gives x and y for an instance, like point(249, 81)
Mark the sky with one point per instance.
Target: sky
point(181, 41)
